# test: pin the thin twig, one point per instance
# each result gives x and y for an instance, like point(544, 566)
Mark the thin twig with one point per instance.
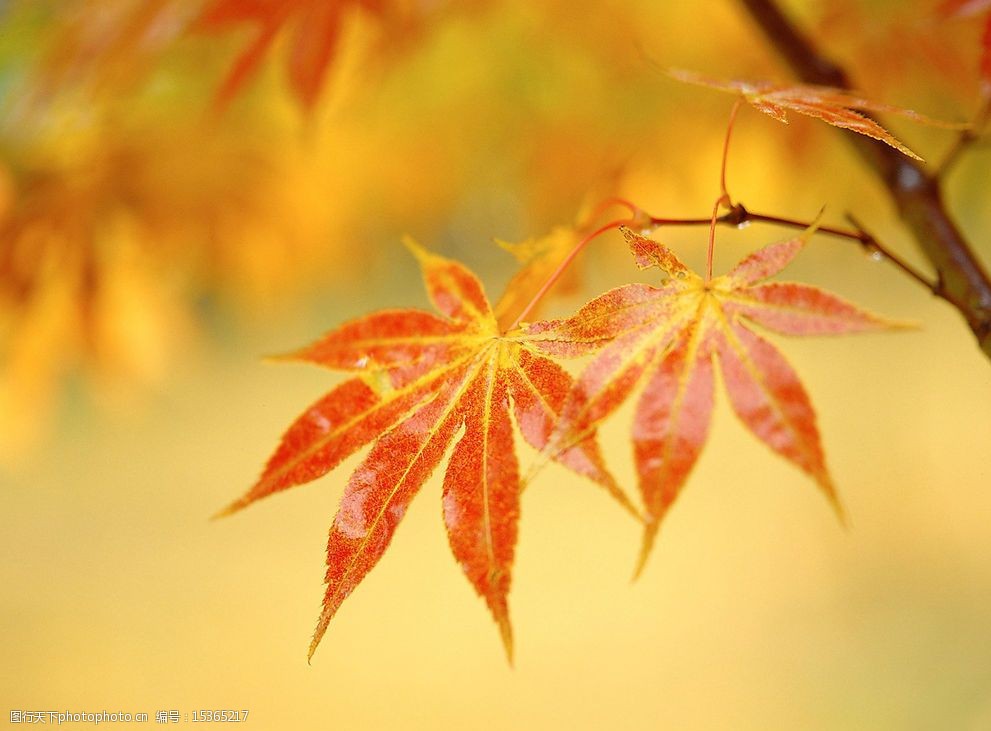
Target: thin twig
point(965, 139)
point(552, 279)
point(724, 196)
point(872, 245)
point(722, 168)
point(605, 205)
point(739, 215)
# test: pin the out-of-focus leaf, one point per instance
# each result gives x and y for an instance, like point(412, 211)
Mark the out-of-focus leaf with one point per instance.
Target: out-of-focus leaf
point(833, 106)
point(314, 27)
point(966, 8)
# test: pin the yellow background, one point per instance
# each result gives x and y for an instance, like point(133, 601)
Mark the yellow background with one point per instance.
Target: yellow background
point(757, 610)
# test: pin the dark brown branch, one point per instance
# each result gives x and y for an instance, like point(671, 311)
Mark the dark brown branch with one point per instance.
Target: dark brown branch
point(962, 279)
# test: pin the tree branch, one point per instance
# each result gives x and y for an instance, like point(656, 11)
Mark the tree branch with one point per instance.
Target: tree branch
point(739, 215)
point(915, 192)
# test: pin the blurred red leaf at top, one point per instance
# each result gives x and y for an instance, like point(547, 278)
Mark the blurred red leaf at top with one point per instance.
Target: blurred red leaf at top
point(967, 8)
point(670, 338)
point(110, 43)
point(423, 378)
point(964, 7)
point(315, 31)
point(833, 106)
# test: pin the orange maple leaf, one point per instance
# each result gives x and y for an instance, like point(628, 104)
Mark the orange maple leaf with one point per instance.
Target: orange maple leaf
point(671, 336)
point(316, 28)
point(107, 44)
point(833, 106)
point(422, 378)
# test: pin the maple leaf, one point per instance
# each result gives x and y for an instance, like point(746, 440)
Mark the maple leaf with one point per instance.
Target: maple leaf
point(670, 337)
point(422, 378)
point(316, 28)
point(833, 106)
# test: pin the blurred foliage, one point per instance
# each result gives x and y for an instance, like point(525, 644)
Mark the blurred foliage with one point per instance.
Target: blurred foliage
point(129, 196)
point(154, 244)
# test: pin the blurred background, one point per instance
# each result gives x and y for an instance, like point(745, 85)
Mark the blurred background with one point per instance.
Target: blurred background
point(187, 186)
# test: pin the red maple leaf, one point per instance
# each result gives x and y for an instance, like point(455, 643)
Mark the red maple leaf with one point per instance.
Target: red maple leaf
point(967, 8)
point(833, 106)
point(670, 338)
point(423, 378)
point(315, 27)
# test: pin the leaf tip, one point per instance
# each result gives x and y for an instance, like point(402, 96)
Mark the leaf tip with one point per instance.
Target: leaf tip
point(279, 358)
point(229, 510)
point(687, 77)
point(816, 222)
point(651, 528)
point(506, 634)
point(317, 636)
point(636, 243)
point(516, 249)
point(880, 322)
point(416, 248)
point(838, 509)
point(826, 484)
point(902, 324)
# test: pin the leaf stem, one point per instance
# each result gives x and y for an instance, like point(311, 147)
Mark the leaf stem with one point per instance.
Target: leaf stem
point(722, 168)
point(552, 279)
point(724, 196)
point(608, 203)
point(712, 239)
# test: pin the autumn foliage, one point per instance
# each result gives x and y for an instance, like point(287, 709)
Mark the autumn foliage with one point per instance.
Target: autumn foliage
point(457, 388)
point(837, 107)
point(424, 378)
point(314, 27)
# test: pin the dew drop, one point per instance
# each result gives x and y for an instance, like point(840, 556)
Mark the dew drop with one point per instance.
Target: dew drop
point(909, 177)
point(361, 362)
point(743, 224)
point(876, 255)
